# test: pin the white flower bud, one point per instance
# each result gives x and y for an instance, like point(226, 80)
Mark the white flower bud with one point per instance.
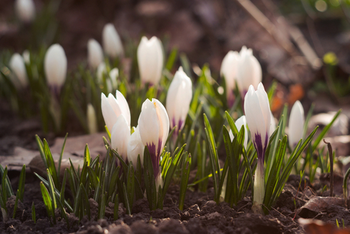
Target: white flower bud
point(228, 70)
point(150, 60)
point(113, 107)
point(91, 119)
point(25, 10)
point(241, 122)
point(55, 66)
point(249, 71)
point(19, 73)
point(178, 99)
point(120, 136)
point(112, 44)
point(258, 115)
point(296, 124)
point(26, 56)
point(153, 125)
point(95, 54)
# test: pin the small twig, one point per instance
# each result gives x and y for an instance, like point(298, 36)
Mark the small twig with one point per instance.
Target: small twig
point(330, 152)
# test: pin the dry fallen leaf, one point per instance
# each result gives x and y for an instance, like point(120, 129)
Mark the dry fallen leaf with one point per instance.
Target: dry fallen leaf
point(317, 205)
point(74, 150)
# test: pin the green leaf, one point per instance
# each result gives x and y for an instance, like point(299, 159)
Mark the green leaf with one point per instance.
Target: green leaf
point(47, 199)
point(33, 213)
point(61, 155)
point(22, 179)
point(214, 161)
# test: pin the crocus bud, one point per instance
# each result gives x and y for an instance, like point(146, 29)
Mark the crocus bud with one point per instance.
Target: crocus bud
point(296, 124)
point(25, 10)
point(19, 72)
point(55, 67)
point(228, 70)
point(91, 119)
point(26, 57)
point(150, 60)
point(258, 114)
point(154, 129)
point(112, 44)
point(120, 136)
point(113, 107)
point(113, 75)
point(241, 122)
point(178, 99)
point(249, 71)
point(135, 147)
point(95, 54)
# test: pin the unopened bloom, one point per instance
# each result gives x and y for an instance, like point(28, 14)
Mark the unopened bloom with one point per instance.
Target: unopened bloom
point(112, 44)
point(55, 67)
point(25, 10)
point(153, 125)
point(120, 136)
point(150, 60)
point(26, 57)
point(95, 54)
point(249, 71)
point(296, 124)
point(135, 147)
point(258, 114)
point(113, 75)
point(229, 67)
point(178, 99)
point(18, 68)
point(241, 122)
point(91, 119)
point(113, 107)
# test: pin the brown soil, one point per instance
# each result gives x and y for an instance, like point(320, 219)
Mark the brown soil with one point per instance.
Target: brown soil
point(200, 215)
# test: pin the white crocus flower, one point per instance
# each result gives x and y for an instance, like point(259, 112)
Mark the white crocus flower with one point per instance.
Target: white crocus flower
point(55, 67)
point(95, 53)
point(241, 122)
point(25, 10)
point(153, 125)
point(112, 44)
point(18, 69)
point(26, 56)
point(150, 60)
point(258, 114)
point(178, 99)
point(296, 124)
point(101, 70)
point(229, 67)
point(113, 75)
point(249, 71)
point(135, 147)
point(113, 107)
point(91, 119)
point(120, 136)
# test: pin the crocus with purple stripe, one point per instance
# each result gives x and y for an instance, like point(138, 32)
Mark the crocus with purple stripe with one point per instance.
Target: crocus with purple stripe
point(258, 115)
point(178, 99)
point(153, 126)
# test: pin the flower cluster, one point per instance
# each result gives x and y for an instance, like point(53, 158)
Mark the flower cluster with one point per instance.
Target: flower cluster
point(153, 123)
point(242, 69)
